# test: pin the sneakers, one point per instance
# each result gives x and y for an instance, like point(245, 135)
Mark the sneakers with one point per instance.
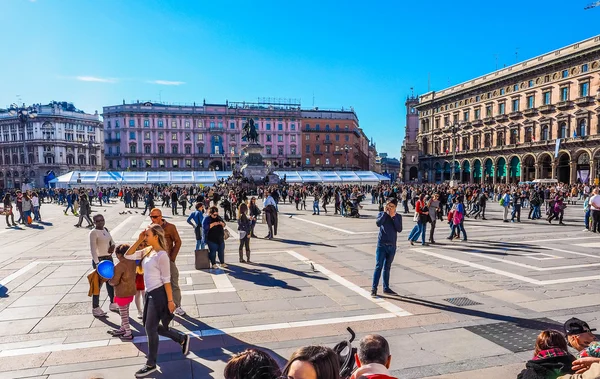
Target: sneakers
point(185, 345)
point(373, 293)
point(113, 307)
point(140, 315)
point(390, 292)
point(179, 311)
point(223, 265)
point(98, 312)
point(215, 267)
point(145, 371)
point(586, 230)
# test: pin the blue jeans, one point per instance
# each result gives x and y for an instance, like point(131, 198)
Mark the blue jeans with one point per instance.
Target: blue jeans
point(36, 212)
point(384, 255)
point(421, 229)
point(587, 219)
point(316, 207)
point(200, 244)
point(70, 205)
point(458, 228)
point(536, 212)
point(213, 249)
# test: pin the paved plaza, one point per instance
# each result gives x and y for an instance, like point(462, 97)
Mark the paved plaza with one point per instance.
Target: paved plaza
point(472, 308)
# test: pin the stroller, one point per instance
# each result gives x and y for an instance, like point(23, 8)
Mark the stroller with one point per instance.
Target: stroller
point(346, 353)
point(351, 207)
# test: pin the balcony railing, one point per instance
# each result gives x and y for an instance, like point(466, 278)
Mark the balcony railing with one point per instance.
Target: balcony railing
point(564, 104)
point(584, 100)
point(515, 114)
point(547, 108)
point(530, 111)
point(501, 118)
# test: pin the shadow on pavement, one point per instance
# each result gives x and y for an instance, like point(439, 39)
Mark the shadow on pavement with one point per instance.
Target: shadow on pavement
point(261, 278)
point(522, 322)
point(301, 243)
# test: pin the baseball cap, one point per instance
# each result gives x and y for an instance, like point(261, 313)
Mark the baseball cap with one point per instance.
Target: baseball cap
point(576, 326)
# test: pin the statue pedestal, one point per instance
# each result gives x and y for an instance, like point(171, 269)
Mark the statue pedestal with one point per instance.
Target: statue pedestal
point(252, 162)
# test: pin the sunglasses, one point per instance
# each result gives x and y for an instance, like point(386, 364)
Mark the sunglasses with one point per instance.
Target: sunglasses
point(154, 216)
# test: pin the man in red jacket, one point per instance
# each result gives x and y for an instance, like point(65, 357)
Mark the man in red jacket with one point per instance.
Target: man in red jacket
point(373, 358)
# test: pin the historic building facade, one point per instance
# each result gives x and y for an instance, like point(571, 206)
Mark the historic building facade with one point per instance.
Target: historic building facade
point(409, 153)
point(333, 140)
point(60, 138)
point(536, 119)
point(142, 136)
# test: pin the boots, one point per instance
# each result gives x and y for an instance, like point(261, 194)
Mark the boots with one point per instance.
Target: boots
point(242, 257)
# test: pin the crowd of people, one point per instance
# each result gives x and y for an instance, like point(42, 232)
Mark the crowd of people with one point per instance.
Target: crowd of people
point(146, 271)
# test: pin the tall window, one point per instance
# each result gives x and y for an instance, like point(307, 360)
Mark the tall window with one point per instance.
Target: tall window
point(584, 89)
point(545, 135)
point(188, 149)
point(581, 128)
point(132, 148)
point(501, 109)
point(488, 140)
point(160, 123)
point(564, 133)
point(161, 149)
point(528, 134)
point(513, 136)
point(565, 74)
point(131, 123)
point(131, 135)
point(584, 68)
point(488, 111)
point(307, 148)
point(147, 149)
point(515, 105)
point(547, 97)
point(232, 125)
point(477, 114)
point(466, 116)
point(564, 94)
point(530, 102)
point(161, 136)
point(174, 149)
point(500, 139)
point(146, 123)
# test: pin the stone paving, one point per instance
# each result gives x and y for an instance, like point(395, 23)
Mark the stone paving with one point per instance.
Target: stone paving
point(304, 287)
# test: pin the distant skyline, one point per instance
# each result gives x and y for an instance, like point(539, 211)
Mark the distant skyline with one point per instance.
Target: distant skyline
point(340, 54)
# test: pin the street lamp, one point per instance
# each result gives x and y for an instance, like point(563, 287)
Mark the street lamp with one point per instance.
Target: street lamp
point(346, 149)
point(23, 114)
point(453, 129)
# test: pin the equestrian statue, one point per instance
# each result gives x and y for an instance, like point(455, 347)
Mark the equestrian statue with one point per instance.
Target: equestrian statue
point(250, 133)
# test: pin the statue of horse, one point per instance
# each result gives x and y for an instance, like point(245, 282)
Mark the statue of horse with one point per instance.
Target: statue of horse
point(250, 133)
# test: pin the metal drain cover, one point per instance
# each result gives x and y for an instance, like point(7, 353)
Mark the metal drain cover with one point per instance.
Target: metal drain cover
point(515, 336)
point(461, 301)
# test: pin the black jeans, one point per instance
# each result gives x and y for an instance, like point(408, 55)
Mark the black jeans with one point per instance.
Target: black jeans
point(156, 312)
point(109, 288)
point(245, 242)
point(595, 221)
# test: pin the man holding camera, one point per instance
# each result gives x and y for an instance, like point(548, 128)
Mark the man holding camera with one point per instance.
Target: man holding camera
point(390, 224)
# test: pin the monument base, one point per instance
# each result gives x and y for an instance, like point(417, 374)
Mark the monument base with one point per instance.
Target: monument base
point(253, 166)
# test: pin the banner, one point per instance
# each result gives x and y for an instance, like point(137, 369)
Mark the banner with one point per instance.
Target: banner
point(557, 148)
point(583, 176)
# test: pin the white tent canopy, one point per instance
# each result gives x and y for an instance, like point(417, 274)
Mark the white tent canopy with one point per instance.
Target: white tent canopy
point(141, 178)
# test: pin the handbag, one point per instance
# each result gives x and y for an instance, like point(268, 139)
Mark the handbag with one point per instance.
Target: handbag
point(416, 217)
point(243, 234)
point(226, 234)
point(201, 260)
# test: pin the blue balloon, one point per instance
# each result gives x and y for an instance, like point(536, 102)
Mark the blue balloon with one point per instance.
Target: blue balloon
point(106, 269)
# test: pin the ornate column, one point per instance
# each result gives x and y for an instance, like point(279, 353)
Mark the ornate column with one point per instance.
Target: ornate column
point(472, 176)
point(495, 169)
point(537, 171)
point(592, 172)
point(573, 171)
point(553, 170)
point(522, 179)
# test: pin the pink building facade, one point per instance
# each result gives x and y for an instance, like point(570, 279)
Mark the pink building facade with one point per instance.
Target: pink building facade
point(143, 136)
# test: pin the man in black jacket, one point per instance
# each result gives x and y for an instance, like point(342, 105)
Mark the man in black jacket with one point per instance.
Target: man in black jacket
point(390, 224)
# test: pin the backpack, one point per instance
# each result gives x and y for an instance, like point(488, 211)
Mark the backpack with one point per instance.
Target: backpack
point(502, 201)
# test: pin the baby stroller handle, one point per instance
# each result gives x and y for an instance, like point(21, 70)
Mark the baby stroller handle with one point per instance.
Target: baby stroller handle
point(352, 334)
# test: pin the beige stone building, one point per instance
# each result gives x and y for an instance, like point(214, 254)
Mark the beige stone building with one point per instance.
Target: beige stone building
point(536, 119)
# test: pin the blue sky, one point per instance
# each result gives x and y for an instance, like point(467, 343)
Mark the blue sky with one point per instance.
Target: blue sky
point(348, 53)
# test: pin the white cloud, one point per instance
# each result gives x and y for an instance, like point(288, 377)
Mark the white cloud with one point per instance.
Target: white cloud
point(95, 79)
point(166, 82)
